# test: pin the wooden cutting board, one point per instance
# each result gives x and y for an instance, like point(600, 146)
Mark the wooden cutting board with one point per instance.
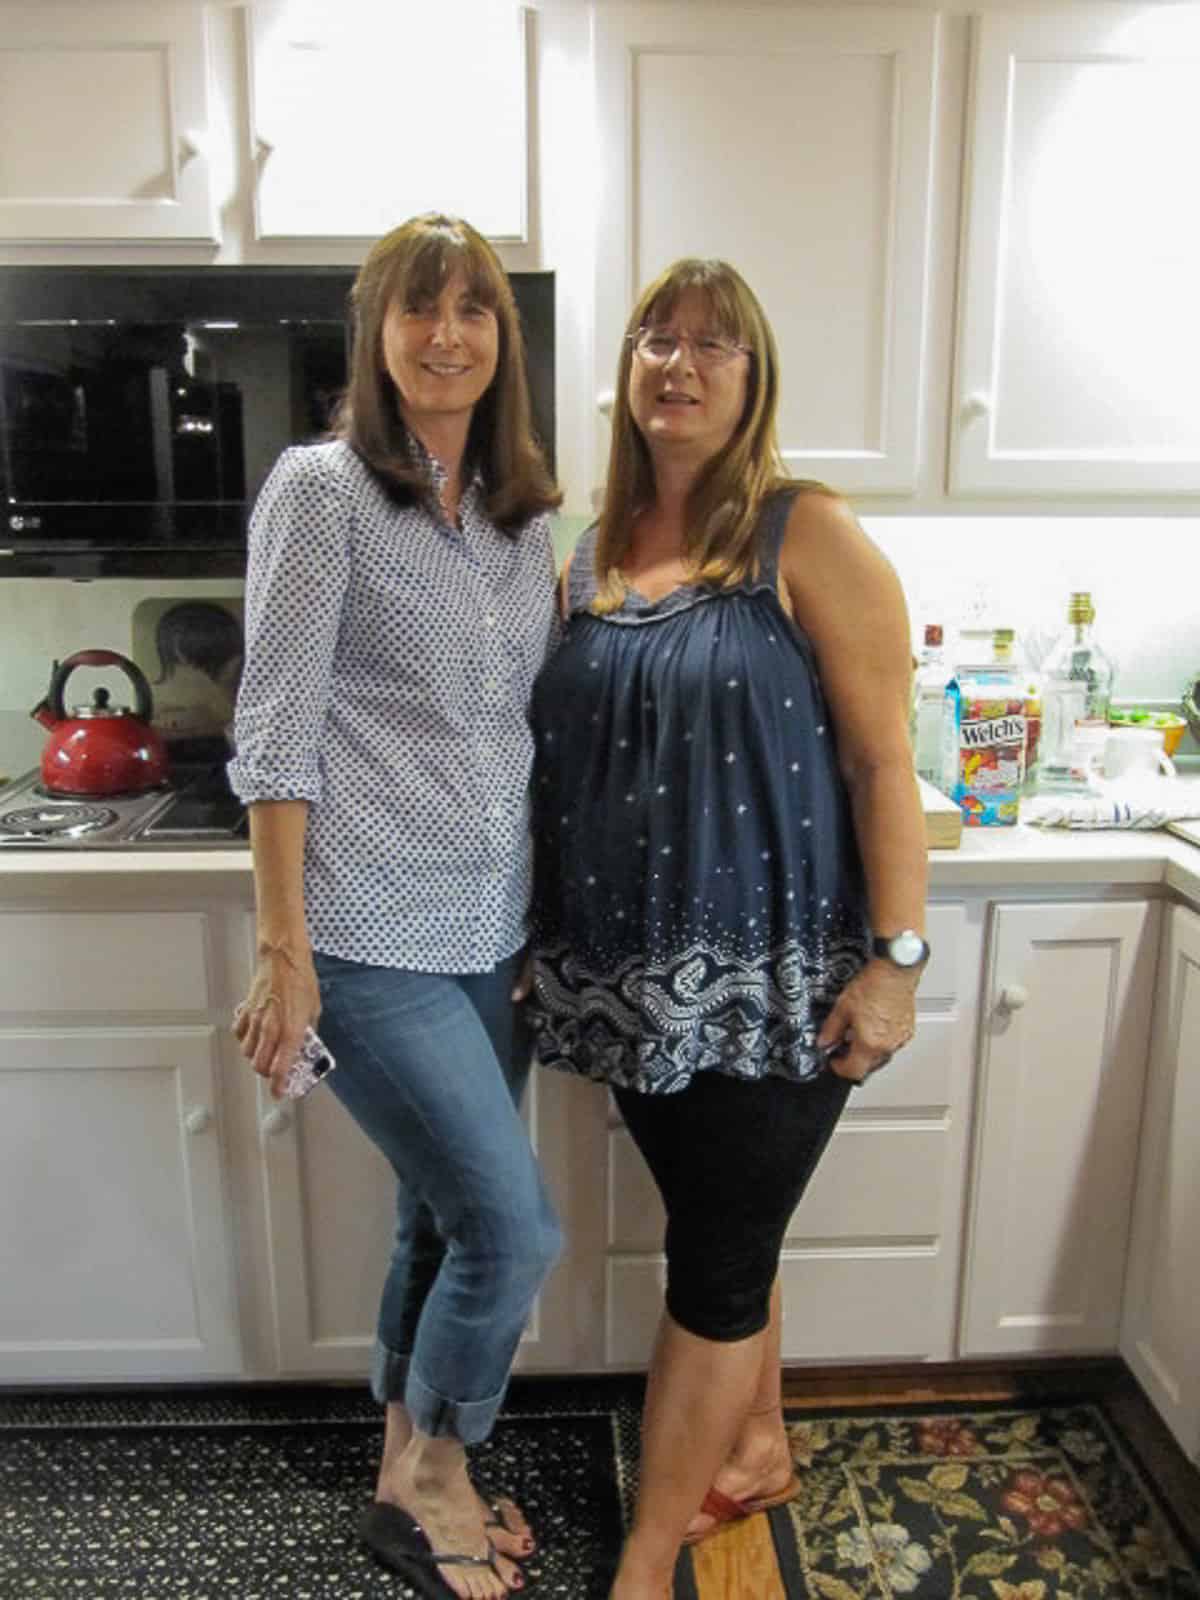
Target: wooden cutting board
point(943, 819)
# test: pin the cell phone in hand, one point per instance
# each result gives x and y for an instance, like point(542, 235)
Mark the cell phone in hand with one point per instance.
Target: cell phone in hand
point(313, 1062)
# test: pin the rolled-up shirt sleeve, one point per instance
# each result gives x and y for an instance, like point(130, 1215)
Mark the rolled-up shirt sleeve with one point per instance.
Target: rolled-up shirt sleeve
point(296, 581)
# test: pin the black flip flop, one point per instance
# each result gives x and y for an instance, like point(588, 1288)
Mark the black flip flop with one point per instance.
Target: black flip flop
point(399, 1543)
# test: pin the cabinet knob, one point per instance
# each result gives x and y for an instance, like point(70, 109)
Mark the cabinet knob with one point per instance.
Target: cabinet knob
point(196, 1119)
point(605, 401)
point(275, 1122)
point(189, 149)
point(975, 407)
point(262, 149)
point(1013, 996)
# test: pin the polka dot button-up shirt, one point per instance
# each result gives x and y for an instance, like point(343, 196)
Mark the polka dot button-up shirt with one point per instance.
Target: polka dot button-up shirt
point(389, 662)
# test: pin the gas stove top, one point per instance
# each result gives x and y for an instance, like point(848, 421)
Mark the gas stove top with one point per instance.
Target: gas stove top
point(197, 809)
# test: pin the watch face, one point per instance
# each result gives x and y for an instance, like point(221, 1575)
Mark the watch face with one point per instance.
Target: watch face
point(907, 948)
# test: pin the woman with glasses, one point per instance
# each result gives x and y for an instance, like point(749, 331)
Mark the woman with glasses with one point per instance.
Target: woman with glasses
point(399, 604)
point(730, 873)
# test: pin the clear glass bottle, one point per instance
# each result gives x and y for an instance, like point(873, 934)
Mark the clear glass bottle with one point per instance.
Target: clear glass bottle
point(929, 696)
point(1077, 684)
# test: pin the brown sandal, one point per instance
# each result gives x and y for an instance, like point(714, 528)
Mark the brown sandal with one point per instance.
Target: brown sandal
point(724, 1509)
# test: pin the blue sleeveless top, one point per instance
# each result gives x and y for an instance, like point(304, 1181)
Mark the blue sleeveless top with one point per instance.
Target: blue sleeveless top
point(698, 894)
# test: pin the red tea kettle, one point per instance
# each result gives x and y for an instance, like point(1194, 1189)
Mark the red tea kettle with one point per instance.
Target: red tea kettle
point(99, 749)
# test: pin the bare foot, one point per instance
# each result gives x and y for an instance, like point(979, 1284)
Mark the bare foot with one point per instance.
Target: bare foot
point(630, 1588)
point(507, 1527)
point(645, 1571)
point(429, 1480)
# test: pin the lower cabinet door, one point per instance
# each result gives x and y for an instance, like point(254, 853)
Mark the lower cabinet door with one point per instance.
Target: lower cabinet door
point(1160, 1333)
point(1063, 1044)
point(114, 1231)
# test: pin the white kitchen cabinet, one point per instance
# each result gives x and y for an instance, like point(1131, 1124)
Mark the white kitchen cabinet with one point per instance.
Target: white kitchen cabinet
point(1160, 1332)
point(114, 1217)
point(794, 142)
point(1065, 1025)
point(1079, 340)
point(870, 1262)
point(162, 1216)
point(104, 122)
point(364, 114)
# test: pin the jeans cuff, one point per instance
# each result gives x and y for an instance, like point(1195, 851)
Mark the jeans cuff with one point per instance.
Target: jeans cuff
point(389, 1373)
point(468, 1421)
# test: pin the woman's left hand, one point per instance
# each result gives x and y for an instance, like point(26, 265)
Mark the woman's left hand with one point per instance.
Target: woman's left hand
point(875, 1015)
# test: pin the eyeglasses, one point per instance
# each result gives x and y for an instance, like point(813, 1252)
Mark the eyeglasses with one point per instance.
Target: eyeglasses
point(655, 347)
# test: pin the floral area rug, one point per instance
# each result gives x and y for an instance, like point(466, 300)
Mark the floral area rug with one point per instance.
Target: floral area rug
point(996, 1504)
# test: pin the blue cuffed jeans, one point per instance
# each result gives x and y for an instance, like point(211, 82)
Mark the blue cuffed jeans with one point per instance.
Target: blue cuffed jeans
point(432, 1068)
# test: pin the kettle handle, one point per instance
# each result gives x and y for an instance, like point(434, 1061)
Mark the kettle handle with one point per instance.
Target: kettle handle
point(99, 658)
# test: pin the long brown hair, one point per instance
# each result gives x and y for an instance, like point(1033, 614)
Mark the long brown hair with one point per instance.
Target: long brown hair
point(410, 264)
point(725, 501)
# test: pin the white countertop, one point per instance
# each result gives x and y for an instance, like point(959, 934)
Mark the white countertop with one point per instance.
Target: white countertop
point(987, 857)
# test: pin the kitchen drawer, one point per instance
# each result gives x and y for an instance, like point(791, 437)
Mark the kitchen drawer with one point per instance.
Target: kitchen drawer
point(65, 962)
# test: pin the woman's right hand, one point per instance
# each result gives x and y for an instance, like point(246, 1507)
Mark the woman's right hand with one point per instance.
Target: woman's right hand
point(283, 1000)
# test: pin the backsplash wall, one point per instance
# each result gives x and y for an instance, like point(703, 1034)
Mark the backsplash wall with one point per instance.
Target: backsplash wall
point(46, 619)
point(1004, 571)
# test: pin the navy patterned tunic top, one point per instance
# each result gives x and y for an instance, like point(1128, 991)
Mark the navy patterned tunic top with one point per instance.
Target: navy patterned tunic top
point(699, 900)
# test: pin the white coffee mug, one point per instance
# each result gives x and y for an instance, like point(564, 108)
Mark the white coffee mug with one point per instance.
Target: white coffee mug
point(1136, 753)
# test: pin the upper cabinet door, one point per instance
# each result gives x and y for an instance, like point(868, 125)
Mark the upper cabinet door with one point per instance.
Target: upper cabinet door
point(1080, 327)
point(794, 143)
point(365, 114)
point(103, 123)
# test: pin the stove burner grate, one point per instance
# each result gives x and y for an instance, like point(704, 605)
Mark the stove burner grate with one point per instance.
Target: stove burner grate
point(52, 821)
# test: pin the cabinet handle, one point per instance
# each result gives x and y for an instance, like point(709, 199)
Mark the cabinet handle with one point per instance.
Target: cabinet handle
point(197, 1119)
point(276, 1122)
point(1012, 997)
point(975, 407)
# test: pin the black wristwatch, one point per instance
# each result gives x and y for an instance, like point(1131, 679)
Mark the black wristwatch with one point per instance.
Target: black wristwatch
point(905, 949)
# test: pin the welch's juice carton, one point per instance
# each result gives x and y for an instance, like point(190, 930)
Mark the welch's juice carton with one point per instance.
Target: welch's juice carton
point(983, 743)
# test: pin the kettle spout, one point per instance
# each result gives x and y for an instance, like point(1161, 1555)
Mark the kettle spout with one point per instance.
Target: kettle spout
point(43, 712)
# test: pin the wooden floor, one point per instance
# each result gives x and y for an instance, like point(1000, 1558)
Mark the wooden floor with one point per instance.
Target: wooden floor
point(739, 1562)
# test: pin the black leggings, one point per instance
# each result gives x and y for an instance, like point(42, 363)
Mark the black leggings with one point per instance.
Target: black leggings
point(731, 1157)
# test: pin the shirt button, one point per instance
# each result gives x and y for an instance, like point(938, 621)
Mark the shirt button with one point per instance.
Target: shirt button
point(491, 683)
point(489, 619)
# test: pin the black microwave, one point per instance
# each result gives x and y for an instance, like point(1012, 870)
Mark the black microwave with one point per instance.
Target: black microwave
point(142, 407)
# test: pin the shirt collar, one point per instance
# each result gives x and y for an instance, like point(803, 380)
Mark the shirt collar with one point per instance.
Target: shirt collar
point(437, 472)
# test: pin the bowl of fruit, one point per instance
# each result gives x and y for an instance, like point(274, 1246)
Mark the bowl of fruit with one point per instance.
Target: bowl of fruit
point(1169, 723)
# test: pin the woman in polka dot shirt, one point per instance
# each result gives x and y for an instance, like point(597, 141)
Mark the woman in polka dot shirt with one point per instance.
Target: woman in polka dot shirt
point(731, 864)
point(399, 604)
